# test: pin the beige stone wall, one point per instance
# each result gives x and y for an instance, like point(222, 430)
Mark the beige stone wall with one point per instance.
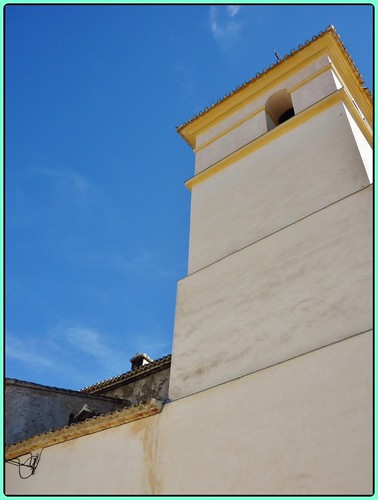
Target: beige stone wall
point(314, 90)
point(298, 173)
point(153, 385)
point(300, 288)
point(251, 107)
point(231, 141)
point(300, 427)
point(364, 148)
point(306, 87)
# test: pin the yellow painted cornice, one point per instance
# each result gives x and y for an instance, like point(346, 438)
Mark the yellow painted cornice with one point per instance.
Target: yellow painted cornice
point(327, 67)
point(327, 42)
point(338, 96)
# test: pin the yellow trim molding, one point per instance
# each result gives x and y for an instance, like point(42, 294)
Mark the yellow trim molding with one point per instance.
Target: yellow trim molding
point(326, 43)
point(261, 108)
point(89, 426)
point(230, 128)
point(336, 97)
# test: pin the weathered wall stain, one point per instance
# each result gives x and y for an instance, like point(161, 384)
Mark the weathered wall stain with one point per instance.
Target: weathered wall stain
point(147, 431)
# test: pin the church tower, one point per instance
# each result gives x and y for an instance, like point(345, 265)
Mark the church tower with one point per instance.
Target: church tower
point(270, 389)
point(280, 256)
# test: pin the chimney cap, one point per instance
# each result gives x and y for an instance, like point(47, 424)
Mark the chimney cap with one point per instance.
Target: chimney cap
point(140, 359)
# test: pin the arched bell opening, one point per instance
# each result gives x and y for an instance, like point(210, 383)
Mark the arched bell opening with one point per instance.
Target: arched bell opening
point(279, 109)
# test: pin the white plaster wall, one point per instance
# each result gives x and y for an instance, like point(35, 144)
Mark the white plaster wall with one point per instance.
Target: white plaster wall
point(299, 289)
point(232, 141)
point(315, 90)
point(300, 427)
point(291, 177)
point(364, 147)
point(269, 122)
point(260, 100)
point(114, 461)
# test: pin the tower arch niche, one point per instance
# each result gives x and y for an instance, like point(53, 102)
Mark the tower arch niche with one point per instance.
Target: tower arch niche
point(279, 108)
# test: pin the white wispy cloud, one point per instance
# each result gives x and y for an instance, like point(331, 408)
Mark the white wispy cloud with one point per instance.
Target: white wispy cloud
point(233, 10)
point(222, 21)
point(75, 354)
point(92, 343)
point(25, 352)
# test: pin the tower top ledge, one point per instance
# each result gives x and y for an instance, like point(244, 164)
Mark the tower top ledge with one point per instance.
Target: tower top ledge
point(327, 41)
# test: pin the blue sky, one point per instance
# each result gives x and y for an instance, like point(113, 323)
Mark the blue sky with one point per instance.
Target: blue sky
point(97, 214)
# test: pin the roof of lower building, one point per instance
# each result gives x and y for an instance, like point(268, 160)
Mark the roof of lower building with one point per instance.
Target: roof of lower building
point(84, 428)
point(141, 371)
point(57, 390)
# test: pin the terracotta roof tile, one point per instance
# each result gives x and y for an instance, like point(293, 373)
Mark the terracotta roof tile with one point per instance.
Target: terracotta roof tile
point(156, 365)
point(280, 61)
point(84, 428)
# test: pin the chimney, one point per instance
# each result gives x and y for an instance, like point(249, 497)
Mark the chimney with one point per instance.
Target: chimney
point(140, 360)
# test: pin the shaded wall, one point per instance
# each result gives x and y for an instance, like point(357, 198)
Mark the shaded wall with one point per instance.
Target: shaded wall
point(153, 385)
point(32, 408)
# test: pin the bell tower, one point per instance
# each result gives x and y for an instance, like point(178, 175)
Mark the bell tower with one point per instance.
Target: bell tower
point(280, 256)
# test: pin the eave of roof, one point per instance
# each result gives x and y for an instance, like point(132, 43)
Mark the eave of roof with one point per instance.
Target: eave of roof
point(157, 365)
point(263, 73)
point(89, 426)
point(57, 390)
point(33, 385)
